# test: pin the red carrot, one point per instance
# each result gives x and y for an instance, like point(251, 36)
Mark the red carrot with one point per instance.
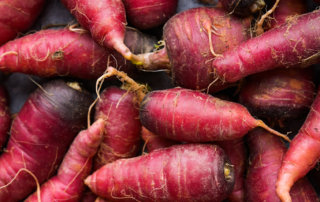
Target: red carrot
point(191, 116)
point(68, 184)
point(303, 152)
point(4, 116)
point(193, 39)
point(296, 42)
point(119, 109)
point(40, 135)
point(266, 155)
point(58, 52)
point(287, 9)
point(170, 174)
point(17, 16)
point(154, 141)
point(236, 151)
point(149, 14)
point(105, 20)
point(280, 94)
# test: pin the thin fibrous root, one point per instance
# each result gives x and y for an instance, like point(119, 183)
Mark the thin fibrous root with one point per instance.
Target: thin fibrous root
point(259, 29)
point(267, 128)
point(128, 83)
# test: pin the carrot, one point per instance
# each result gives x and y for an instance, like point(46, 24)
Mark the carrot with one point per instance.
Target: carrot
point(149, 14)
point(68, 184)
point(105, 20)
point(191, 116)
point(287, 9)
point(193, 39)
point(242, 7)
point(119, 109)
point(266, 155)
point(303, 153)
point(17, 16)
point(4, 116)
point(154, 141)
point(295, 43)
point(58, 52)
point(139, 42)
point(170, 174)
point(280, 94)
point(40, 136)
point(236, 151)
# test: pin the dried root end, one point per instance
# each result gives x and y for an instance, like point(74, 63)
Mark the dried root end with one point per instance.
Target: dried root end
point(267, 128)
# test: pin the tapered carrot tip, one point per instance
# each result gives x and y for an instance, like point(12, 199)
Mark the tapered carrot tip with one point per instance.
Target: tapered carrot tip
point(283, 193)
point(267, 128)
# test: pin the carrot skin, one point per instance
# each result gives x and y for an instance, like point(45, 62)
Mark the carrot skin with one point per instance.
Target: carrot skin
point(303, 152)
point(58, 52)
point(149, 14)
point(242, 7)
point(266, 155)
point(5, 119)
point(119, 109)
point(68, 184)
point(40, 136)
point(17, 16)
point(191, 116)
point(187, 43)
point(171, 174)
point(279, 93)
point(295, 43)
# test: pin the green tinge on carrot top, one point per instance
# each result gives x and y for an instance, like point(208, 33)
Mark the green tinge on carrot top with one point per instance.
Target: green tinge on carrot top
point(264, 126)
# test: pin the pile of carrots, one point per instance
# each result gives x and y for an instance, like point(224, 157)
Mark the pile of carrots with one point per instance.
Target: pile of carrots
point(239, 121)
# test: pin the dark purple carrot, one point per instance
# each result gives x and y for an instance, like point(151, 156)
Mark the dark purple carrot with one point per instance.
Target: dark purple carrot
point(17, 16)
point(68, 184)
point(191, 116)
point(170, 174)
point(153, 141)
point(58, 52)
point(193, 39)
point(266, 155)
point(295, 43)
point(40, 136)
point(4, 116)
point(236, 151)
point(120, 111)
point(281, 94)
point(149, 14)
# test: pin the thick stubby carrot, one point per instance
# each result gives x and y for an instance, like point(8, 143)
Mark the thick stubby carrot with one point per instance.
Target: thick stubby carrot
point(149, 14)
point(105, 20)
point(193, 39)
point(295, 43)
point(242, 7)
point(17, 16)
point(68, 184)
point(58, 52)
point(280, 94)
point(40, 136)
point(191, 116)
point(236, 151)
point(4, 116)
point(266, 154)
point(120, 111)
point(170, 174)
point(154, 141)
point(303, 152)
